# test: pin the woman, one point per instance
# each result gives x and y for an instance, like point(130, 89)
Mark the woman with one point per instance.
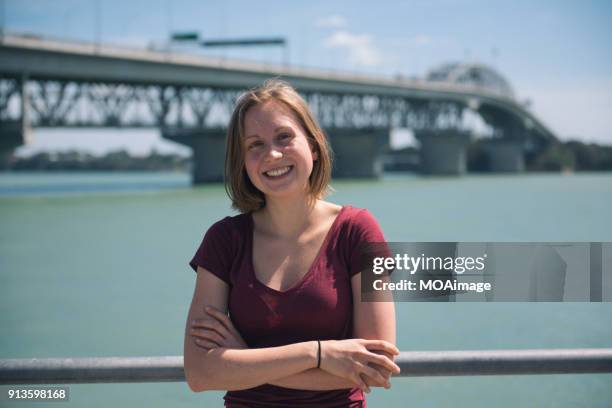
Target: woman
point(287, 271)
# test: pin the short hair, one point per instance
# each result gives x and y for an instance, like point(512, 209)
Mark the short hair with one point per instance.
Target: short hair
point(244, 195)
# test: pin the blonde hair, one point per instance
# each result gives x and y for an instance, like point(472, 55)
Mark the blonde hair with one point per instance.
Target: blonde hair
point(244, 195)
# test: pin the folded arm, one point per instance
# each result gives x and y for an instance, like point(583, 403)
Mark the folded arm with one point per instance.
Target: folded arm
point(342, 363)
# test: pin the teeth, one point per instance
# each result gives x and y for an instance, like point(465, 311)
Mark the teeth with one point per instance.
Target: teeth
point(278, 172)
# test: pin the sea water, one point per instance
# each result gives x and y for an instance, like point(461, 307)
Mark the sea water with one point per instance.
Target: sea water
point(95, 265)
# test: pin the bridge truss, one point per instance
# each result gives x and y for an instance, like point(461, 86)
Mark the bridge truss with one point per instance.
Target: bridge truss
point(71, 103)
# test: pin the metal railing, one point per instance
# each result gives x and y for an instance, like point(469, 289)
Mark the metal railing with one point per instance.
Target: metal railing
point(412, 363)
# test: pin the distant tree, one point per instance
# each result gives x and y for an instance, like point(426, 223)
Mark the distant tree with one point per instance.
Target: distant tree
point(556, 157)
point(119, 160)
point(591, 157)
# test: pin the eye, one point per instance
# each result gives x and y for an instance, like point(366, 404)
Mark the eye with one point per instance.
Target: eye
point(255, 145)
point(285, 137)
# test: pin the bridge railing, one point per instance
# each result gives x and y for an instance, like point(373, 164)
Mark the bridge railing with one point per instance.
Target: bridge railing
point(412, 363)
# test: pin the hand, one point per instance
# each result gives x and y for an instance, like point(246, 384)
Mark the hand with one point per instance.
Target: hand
point(385, 373)
point(370, 382)
point(356, 359)
point(216, 330)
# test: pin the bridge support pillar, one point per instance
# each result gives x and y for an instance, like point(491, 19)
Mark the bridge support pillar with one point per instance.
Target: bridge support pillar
point(443, 151)
point(358, 152)
point(505, 156)
point(208, 149)
point(12, 135)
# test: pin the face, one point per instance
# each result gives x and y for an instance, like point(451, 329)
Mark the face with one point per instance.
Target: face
point(277, 155)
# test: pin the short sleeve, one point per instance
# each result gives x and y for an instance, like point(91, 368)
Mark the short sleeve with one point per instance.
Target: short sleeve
point(365, 230)
point(215, 251)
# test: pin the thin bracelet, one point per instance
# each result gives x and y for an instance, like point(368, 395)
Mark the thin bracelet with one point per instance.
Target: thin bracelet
point(319, 354)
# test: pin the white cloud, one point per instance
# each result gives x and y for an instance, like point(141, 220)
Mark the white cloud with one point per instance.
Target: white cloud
point(360, 48)
point(331, 22)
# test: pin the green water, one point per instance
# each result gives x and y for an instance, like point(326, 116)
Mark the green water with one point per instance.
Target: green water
point(97, 266)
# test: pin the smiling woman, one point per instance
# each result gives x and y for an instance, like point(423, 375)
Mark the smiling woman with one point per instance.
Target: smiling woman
point(274, 120)
point(276, 317)
point(281, 159)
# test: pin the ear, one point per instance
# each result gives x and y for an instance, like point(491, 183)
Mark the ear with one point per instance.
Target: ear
point(313, 149)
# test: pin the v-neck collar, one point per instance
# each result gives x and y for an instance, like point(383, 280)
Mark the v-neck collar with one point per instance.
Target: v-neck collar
point(303, 279)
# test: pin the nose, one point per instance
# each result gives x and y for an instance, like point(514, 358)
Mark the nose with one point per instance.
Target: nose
point(274, 153)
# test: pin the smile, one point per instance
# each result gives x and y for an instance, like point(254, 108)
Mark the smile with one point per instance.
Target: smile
point(278, 172)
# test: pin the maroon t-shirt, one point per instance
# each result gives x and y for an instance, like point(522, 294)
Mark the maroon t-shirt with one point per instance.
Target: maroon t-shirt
point(319, 306)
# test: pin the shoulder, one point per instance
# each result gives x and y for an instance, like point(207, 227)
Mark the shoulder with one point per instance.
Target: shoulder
point(359, 219)
point(220, 244)
point(356, 225)
point(347, 214)
point(227, 232)
point(359, 229)
point(230, 225)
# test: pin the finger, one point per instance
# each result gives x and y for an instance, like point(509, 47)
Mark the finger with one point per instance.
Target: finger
point(227, 324)
point(211, 324)
point(371, 382)
point(384, 353)
point(222, 317)
point(208, 345)
point(208, 335)
point(386, 374)
point(381, 345)
point(376, 379)
point(383, 362)
point(383, 371)
point(203, 322)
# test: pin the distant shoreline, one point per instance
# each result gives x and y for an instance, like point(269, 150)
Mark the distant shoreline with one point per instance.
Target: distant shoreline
point(119, 160)
point(566, 157)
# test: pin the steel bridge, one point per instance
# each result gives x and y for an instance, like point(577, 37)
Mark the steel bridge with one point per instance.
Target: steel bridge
point(49, 83)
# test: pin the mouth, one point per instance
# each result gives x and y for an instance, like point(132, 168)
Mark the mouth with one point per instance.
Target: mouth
point(278, 172)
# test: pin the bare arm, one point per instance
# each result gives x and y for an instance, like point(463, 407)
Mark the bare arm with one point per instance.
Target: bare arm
point(228, 368)
point(314, 379)
point(231, 369)
point(374, 319)
point(218, 331)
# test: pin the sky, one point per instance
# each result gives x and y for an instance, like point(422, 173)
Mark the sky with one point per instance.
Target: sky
point(556, 54)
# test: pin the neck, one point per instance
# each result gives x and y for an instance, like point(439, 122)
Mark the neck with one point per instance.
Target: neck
point(288, 218)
